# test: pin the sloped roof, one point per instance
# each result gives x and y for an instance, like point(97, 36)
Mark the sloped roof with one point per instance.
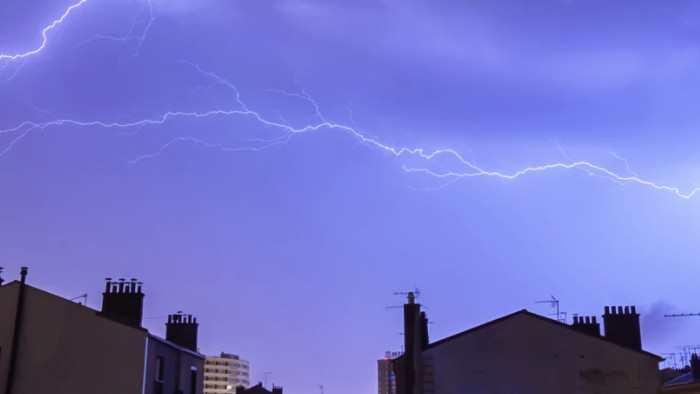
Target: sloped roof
point(683, 379)
point(547, 320)
point(99, 315)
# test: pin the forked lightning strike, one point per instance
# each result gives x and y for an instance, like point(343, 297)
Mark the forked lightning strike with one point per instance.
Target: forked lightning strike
point(470, 169)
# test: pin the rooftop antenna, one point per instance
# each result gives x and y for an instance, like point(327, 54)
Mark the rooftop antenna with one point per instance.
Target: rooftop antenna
point(266, 374)
point(83, 296)
point(554, 303)
point(416, 292)
point(672, 361)
point(681, 314)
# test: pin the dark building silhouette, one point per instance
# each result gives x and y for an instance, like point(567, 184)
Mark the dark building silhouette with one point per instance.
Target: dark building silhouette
point(123, 301)
point(182, 330)
point(49, 344)
point(687, 383)
point(258, 389)
point(527, 354)
point(622, 326)
point(587, 324)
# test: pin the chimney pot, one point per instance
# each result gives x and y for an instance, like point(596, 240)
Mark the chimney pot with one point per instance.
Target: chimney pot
point(627, 310)
point(588, 320)
point(634, 310)
point(607, 310)
point(120, 303)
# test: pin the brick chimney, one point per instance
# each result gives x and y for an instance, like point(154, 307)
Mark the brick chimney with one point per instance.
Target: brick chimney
point(622, 326)
point(276, 389)
point(182, 330)
point(122, 301)
point(587, 324)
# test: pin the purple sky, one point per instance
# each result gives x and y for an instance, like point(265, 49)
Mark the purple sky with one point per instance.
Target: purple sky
point(287, 242)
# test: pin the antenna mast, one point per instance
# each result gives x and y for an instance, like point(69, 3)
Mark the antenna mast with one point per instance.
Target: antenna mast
point(561, 316)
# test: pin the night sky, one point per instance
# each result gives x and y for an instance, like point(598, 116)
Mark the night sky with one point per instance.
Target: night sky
point(280, 168)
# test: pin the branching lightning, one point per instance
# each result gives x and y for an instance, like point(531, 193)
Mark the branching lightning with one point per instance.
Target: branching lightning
point(139, 38)
point(465, 168)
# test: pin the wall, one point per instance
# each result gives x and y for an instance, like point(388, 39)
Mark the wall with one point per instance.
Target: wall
point(177, 366)
point(524, 354)
point(65, 348)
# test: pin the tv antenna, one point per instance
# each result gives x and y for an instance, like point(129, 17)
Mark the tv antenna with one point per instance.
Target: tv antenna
point(682, 314)
point(416, 292)
point(83, 296)
point(554, 303)
point(266, 374)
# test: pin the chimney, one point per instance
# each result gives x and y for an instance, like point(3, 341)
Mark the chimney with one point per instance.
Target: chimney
point(424, 330)
point(122, 301)
point(182, 330)
point(414, 339)
point(695, 366)
point(1, 279)
point(622, 326)
point(586, 324)
point(276, 389)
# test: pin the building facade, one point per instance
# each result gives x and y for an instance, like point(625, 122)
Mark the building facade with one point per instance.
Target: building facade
point(385, 375)
point(222, 374)
point(528, 354)
point(49, 344)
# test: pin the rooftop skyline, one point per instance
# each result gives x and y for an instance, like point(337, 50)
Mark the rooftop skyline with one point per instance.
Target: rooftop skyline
point(279, 169)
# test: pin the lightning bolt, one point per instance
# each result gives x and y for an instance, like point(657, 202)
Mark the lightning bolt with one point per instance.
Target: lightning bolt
point(44, 34)
point(133, 36)
point(469, 169)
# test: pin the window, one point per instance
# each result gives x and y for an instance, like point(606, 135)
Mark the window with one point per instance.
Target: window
point(193, 380)
point(159, 368)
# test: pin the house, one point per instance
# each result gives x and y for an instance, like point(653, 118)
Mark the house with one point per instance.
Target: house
point(688, 383)
point(258, 389)
point(527, 353)
point(49, 344)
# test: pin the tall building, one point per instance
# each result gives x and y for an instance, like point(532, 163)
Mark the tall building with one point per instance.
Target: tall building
point(528, 354)
point(49, 344)
point(385, 375)
point(224, 373)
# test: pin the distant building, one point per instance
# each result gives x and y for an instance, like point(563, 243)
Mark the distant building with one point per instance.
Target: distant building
point(688, 383)
point(385, 375)
point(49, 344)
point(528, 354)
point(224, 373)
point(258, 389)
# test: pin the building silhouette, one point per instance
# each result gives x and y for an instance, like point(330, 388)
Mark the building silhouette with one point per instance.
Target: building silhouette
point(688, 383)
point(529, 354)
point(222, 374)
point(258, 389)
point(49, 344)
